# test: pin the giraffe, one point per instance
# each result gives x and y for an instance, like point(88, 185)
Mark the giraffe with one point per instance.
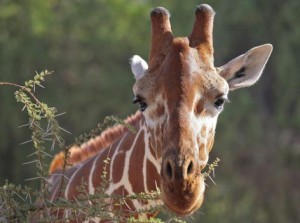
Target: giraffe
point(180, 94)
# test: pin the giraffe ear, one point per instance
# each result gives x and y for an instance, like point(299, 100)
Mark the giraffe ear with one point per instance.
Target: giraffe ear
point(247, 68)
point(138, 66)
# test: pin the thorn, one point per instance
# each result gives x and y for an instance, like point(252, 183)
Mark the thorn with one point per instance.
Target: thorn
point(40, 128)
point(57, 138)
point(33, 161)
point(77, 201)
point(63, 113)
point(24, 107)
point(48, 129)
point(47, 154)
point(40, 167)
point(44, 178)
point(33, 178)
point(53, 145)
point(46, 139)
point(41, 85)
point(212, 180)
point(31, 123)
point(127, 205)
point(65, 130)
point(46, 134)
point(19, 196)
point(48, 126)
point(21, 126)
point(54, 204)
point(23, 143)
point(34, 153)
point(28, 196)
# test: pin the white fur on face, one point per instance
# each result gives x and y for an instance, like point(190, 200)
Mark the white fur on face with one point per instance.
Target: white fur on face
point(138, 66)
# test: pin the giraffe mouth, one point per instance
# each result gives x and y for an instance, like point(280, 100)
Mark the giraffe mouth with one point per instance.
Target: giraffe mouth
point(183, 197)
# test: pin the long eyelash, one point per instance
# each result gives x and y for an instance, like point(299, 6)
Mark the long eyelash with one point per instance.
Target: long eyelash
point(136, 99)
point(224, 97)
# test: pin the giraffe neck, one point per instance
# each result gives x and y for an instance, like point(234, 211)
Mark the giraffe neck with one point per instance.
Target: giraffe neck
point(134, 167)
point(138, 161)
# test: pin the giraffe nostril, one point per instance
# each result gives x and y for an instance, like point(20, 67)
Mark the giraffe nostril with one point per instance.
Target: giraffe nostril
point(190, 168)
point(169, 170)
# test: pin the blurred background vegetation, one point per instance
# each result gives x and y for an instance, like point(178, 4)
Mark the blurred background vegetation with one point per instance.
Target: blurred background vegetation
point(88, 43)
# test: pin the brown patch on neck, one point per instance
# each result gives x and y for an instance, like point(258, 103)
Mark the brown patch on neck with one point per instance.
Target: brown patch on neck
point(199, 108)
point(160, 110)
point(135, 173)
point(154, 175)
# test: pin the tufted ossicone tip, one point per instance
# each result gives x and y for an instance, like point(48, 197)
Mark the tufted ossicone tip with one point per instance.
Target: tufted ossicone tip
point(158, 11)
point(160, 20)
point(204, 9)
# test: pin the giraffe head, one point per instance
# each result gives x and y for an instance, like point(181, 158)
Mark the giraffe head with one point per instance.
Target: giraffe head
point(181, 95)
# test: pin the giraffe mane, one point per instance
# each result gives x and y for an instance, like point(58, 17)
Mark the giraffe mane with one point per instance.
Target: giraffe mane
point(78, 154)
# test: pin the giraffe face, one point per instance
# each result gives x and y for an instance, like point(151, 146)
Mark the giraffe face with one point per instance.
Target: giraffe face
point(181, 95)
point(181, 101)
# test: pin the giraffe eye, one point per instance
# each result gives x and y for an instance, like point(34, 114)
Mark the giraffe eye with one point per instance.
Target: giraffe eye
point(142, 103)
point(220, 102)
point(143, 106)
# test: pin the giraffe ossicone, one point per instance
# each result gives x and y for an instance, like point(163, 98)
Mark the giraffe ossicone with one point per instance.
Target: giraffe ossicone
point(181, 94)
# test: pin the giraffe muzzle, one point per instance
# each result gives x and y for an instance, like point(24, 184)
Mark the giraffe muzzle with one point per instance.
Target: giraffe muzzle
point(182, 185)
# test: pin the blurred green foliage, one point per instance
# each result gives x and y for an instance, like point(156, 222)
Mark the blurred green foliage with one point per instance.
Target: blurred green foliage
point(88, 44)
